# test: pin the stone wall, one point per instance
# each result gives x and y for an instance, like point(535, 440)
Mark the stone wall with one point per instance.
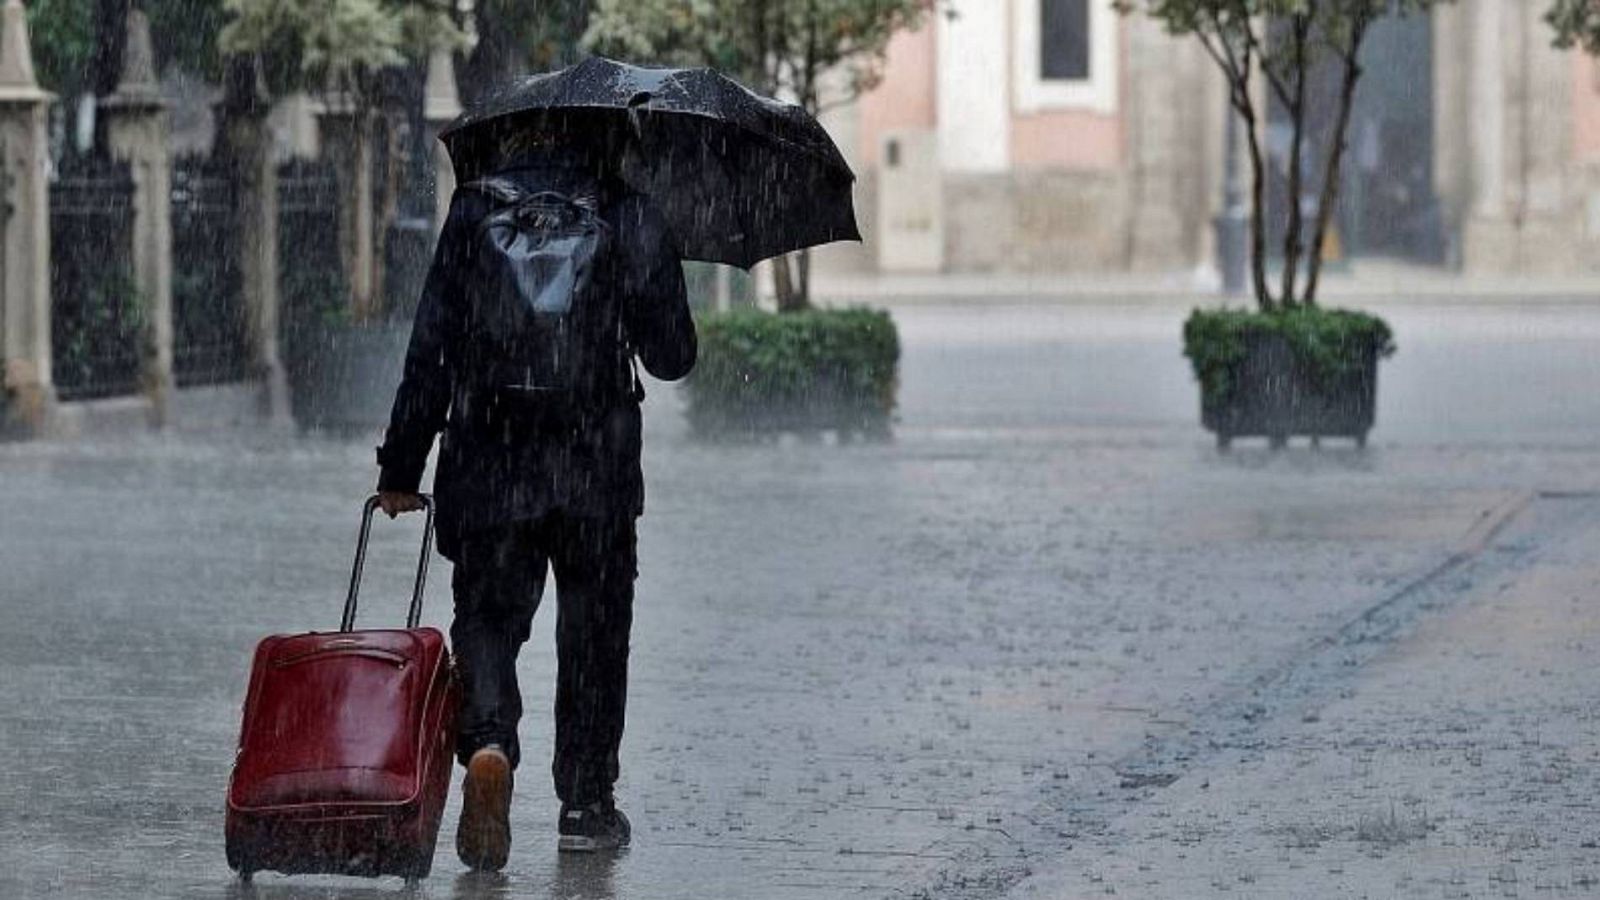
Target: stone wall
point(1517, 160)
point(1520, 199)
point(1036, 221)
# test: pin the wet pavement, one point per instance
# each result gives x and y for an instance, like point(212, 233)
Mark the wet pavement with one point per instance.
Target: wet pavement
point(1455, 758)
point(925, 668)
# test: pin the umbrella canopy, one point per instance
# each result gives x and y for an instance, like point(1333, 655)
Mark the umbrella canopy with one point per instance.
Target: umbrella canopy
point(740, 177)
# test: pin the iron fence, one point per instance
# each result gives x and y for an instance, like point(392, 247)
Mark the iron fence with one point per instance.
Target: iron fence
point(99, 327)
point(311, 282)
point(209, 320)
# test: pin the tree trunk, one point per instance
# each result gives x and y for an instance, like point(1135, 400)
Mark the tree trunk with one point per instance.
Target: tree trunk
point(244, 95)
point(105, 65)
point(494, 60)
point(1258, 204)
point(1293, 247)
point(110, 38)
point(559, 31)
point(1331, 177)
point(792, 286)
point(781, 284)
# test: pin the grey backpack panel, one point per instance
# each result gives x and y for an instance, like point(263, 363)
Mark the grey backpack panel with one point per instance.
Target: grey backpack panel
point(544, 322)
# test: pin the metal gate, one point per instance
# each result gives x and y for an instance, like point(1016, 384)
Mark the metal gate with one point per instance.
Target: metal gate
point(99, 328)
point(311, 282)
point(209, 318)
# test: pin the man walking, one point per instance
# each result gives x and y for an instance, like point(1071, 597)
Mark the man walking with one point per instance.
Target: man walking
point(549, 279)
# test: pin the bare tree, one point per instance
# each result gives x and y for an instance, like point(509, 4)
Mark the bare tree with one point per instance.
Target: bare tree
point(1281, 43)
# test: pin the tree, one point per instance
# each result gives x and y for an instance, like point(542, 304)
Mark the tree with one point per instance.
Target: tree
point(63, 34)
point(513, 37)
point(1282, 42)
point(78, 44)
point(791, 49)
point(184, 33)
point(1577, 24)
point(339, 46)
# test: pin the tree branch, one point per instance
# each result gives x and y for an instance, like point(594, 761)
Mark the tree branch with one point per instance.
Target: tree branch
point(1240, 72)
point(1258, 232)
point(1274, 80)
point(1292, 246)
point(1237, 64)
point(1330, 178)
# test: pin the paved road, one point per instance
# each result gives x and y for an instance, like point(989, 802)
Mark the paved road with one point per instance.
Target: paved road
point(859, 671)
point(1445, 746)
point(1464, 375)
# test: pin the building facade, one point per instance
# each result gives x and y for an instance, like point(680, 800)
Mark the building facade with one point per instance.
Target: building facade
point(1059, 136)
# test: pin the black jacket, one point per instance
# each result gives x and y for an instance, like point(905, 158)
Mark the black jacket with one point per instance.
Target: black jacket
point(501, 462)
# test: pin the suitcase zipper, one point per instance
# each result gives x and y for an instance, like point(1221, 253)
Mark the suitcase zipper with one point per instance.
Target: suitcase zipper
point(378, 653)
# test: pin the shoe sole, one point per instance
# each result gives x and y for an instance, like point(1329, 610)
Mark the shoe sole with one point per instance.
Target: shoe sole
point(578, 844)
point(483, 837)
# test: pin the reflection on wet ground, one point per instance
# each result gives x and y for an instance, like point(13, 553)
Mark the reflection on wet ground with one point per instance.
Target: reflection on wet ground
point(853, 667)
point(570, 877)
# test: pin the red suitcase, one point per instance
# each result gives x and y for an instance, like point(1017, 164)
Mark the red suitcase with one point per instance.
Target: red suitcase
point(345, 753)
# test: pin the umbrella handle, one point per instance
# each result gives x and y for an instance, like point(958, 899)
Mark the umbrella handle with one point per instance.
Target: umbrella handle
point(636, 105)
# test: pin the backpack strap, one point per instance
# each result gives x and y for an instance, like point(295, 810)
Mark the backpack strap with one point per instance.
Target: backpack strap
point(630, 355)
point(505, 191)
point(501, 190)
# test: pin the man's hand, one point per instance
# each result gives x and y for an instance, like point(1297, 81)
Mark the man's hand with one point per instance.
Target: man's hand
point(393, 503)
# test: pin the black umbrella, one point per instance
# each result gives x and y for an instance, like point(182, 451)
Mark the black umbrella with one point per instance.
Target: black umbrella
point(739, 176)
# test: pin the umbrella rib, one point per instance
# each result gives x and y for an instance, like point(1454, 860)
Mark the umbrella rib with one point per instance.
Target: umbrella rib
point(456, 131)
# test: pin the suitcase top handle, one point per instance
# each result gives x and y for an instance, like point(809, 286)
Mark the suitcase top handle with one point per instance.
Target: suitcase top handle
point(348, 623)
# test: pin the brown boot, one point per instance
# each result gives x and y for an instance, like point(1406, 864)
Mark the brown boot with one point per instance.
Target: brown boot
point(483, 838)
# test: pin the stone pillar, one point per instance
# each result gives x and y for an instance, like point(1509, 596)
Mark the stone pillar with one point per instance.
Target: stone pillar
point(441, 104)
point(1157, 99)
point(1545, 212)
point(137, 128)
point(1520, 101)
point(1489, 240)
point(347, 143)
point(24, 229)
point(246, 143)
point(1452, 73)
point(973, 95)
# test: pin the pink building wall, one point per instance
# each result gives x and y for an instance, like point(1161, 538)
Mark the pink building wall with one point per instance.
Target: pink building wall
point(1585, 108)
point(1069, 139)
point(1080, 140)
point(906, 98)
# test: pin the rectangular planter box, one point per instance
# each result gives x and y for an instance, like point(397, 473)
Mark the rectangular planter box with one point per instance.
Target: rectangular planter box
point(1276, 395)
point(345, 381)
point(825, 406)
point(762, 374)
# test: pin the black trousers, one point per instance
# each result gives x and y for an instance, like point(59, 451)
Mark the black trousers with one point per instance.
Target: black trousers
point(499, 579)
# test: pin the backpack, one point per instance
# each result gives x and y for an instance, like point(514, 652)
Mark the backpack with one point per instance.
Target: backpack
point(544, 321)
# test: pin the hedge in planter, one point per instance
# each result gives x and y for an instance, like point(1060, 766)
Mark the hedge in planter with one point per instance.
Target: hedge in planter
point(1301, 371)
point(806, 372)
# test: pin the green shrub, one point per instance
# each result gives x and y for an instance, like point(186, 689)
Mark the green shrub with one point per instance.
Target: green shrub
point(1332, 341)
point(803, 371)
point(100, 343)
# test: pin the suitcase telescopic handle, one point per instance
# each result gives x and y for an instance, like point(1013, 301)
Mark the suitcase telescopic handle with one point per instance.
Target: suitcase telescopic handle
point(348, 623)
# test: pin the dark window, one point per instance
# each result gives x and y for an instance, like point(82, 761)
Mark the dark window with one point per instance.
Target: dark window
point(1064, 40)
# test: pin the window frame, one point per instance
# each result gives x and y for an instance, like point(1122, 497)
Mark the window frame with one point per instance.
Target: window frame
point(1034, 93)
